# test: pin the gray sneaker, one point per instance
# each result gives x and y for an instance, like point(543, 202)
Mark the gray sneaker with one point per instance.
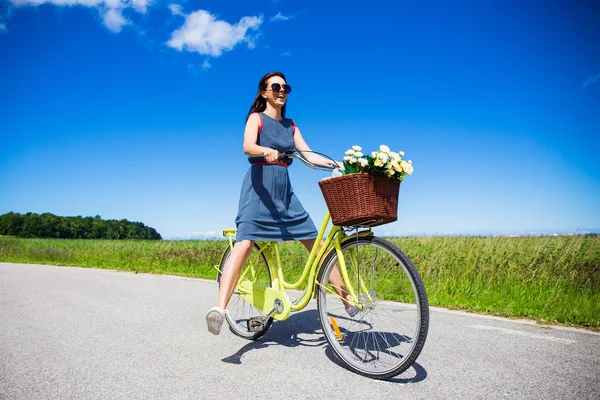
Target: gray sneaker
point(214, 320)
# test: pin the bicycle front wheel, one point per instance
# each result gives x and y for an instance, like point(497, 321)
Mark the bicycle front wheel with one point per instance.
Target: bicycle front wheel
point(243, 318)
point(387, 332)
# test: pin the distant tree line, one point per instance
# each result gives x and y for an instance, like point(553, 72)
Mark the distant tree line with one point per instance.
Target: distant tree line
point(48, 225)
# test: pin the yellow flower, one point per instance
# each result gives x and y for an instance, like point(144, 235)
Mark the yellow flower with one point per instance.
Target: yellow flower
point(358, 154)
point(356, 148)
point(350, 152)
point(408, 168)
point(363, 162)
point(384, 148)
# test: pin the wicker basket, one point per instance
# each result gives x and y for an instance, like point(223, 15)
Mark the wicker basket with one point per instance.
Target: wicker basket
point(361, 199)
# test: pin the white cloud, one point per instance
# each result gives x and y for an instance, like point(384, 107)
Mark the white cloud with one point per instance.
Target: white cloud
point(3, 28)
point(286, 53)
point(203, 33)
point(281, 17)
point(176, 9)
point(86, 3)
point(591, 80)
point(195, 69)
point(114, 20)
point(111, 11)
point(140, 5)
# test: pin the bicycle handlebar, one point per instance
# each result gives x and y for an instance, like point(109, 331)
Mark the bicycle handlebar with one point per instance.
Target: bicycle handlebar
point(294, 154)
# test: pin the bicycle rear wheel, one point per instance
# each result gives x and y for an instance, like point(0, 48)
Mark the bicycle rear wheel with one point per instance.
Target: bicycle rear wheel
point(243, 318)
point(385, 337)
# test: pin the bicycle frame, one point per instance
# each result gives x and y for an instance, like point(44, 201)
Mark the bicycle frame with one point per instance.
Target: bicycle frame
point(264, 298)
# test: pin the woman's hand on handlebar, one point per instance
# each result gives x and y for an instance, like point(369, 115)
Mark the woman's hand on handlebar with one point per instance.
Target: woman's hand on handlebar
point(271, 155)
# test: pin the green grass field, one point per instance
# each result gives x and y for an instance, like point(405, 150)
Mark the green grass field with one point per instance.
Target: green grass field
point(550, 279)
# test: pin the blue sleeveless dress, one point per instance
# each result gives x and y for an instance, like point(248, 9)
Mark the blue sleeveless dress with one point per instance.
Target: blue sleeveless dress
point(268, 209)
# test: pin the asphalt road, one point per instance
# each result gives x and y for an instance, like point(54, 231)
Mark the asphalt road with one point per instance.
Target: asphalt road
point(75, 333)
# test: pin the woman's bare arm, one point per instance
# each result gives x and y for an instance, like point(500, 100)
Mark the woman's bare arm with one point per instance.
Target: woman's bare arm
point(251, 135)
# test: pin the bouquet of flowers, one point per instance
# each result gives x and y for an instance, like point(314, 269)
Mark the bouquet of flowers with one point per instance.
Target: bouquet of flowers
point(367, 191)
point(383, 162)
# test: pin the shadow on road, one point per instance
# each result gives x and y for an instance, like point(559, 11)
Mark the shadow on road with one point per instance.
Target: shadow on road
point(289, 333)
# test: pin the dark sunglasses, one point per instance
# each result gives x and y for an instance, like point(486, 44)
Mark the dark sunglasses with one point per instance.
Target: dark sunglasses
point(276, 87)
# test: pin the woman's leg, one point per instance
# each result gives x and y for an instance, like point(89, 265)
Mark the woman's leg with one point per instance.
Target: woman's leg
point(335, 278)
point(231, 271)
point(229, 278)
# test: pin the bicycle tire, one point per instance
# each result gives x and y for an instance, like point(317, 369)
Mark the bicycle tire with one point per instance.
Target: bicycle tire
point(384, 338)
point(239, 311)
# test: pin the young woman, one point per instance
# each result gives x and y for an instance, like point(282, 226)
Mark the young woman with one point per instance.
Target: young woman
point(268, 209)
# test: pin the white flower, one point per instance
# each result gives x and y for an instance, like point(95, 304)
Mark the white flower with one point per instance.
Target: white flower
point(381, 161)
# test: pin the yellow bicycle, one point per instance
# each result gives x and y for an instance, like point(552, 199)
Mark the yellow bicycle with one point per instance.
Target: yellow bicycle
point(382, 339)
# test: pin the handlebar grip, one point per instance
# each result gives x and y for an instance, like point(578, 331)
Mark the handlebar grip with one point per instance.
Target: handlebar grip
point(285, 156)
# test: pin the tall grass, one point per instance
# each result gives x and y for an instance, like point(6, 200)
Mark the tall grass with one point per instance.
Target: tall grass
point(187, 258)
point(555, 279)
point(551, 279)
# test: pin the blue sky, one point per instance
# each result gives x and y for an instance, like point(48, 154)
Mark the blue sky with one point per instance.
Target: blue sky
point(136, 109)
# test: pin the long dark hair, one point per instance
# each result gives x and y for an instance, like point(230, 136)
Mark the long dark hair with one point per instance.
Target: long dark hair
point(260, 103)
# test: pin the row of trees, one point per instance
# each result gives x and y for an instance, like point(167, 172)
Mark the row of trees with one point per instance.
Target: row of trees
point(48, 225)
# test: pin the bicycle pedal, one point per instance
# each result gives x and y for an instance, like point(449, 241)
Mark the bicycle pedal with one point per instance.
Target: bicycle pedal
point(256, 324)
